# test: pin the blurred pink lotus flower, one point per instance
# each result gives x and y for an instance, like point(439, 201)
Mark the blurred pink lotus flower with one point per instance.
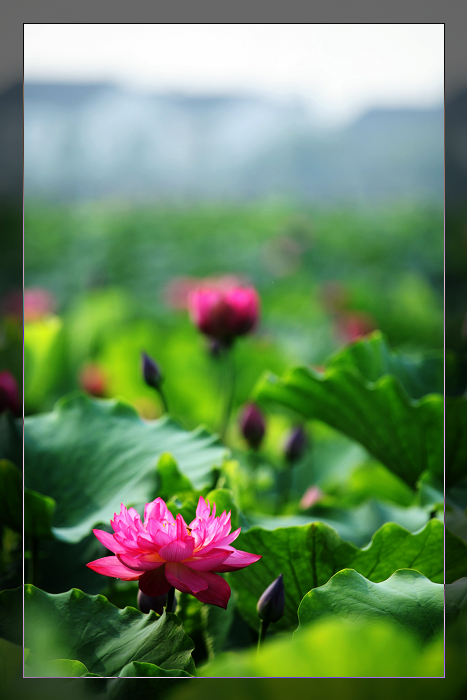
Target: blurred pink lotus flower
point(311, 496)
point(354, 325)
point(38, 303)
point(163, 551)
point(9, 396)
point(93, 380)
point(224, 312)
point(177, 290)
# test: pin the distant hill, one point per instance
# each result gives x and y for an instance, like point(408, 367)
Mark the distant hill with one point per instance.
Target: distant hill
point(99, 140)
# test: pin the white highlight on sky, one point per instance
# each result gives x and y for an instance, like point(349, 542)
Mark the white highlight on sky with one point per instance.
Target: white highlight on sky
point(338, 69)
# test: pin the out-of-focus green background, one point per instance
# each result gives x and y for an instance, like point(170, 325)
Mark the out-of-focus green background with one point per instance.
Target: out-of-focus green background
point(117, 274)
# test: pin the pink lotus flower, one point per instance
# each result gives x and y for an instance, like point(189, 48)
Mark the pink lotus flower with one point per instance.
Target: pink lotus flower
point(36, 302)
point(223, 313)
point(177, 290)
point(163, 551)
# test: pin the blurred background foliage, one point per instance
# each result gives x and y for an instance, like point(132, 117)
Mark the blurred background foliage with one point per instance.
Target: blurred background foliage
point(118, 277)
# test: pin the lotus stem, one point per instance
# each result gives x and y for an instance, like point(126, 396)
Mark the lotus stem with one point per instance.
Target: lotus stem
point(284, 492)
point(229, 390)
point(263, 628)
point(163, 399)
point(170, 600)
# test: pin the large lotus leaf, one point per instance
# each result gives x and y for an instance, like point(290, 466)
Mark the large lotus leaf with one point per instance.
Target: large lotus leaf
point(407, 597)
point(308, 556)
point(138, 669)
point(330, 649)
point(403, 433)
point(92, 455)
point(356, 525)
point(373, 358)
point(91, 630)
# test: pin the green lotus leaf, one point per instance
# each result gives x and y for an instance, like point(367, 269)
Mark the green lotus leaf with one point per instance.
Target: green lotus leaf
point(92, 631)
point(407, 597)
point(365, 394)
point(308, 556)
point(91, 455)
point(138, 669)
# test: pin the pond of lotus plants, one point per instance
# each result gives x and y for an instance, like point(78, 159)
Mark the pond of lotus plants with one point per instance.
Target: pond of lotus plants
point(299, 533)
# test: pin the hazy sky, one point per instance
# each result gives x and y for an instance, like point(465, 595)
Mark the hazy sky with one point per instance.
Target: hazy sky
point(340, 69)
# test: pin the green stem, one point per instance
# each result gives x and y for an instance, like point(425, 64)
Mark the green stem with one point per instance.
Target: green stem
point(163, 399)
point(170, 600)
point(229, 390)
point(253, 459)
point(263, 628)
point(285, 487)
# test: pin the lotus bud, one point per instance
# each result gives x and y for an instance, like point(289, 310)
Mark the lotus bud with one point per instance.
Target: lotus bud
point(151, 371)
point(9, 397)
point(295, 445)
point(271, 604)
point(146, 603)
point(224, 313)
point(252, 425)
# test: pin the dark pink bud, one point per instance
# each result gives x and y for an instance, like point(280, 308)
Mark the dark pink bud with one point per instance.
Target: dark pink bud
point(296, 444)
point(151, 371)
point(271, 604)
point(224, 314)
point(93, 380)
point(252, 425)
point(9, 397)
